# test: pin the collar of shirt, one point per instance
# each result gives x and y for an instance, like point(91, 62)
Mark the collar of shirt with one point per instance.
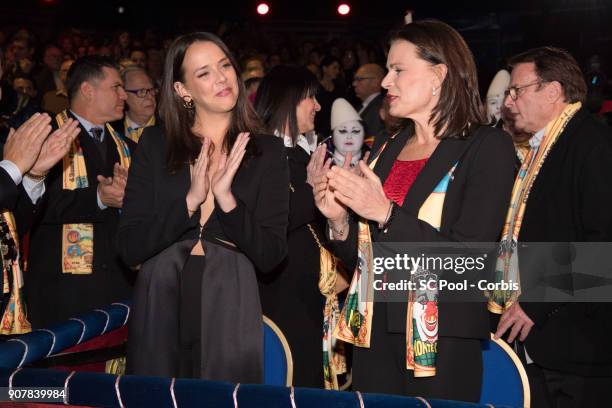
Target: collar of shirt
point(88, 125)
point(131, 124)
point(367, 101)
point(301, 141)
point(536, 139)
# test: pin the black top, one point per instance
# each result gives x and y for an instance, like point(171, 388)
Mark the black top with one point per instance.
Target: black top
point(155, 210)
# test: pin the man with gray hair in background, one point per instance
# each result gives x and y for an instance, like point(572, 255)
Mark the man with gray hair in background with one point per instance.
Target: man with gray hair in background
point(141, 103)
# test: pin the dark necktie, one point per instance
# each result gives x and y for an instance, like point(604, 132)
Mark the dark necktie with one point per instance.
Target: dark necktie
point(97, 133)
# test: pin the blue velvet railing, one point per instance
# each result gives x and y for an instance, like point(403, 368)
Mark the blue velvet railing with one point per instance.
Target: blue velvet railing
point(106, 390)
point(100, 390)
point(34, 346)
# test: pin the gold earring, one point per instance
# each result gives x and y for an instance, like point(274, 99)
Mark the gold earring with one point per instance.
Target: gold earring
point(188, 103)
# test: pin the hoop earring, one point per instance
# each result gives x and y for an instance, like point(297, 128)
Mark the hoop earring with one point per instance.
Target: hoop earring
point(188, 104)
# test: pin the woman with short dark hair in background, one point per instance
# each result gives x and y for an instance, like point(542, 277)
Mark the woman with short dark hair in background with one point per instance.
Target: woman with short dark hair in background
point(447, 177)
point(286, 102)
point(206, 206)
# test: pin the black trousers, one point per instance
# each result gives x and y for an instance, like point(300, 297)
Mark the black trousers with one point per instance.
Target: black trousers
point(554, 389)
point(382, 367)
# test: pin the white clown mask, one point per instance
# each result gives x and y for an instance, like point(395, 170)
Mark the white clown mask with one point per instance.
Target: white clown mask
point(495, 94)
point(348, 132)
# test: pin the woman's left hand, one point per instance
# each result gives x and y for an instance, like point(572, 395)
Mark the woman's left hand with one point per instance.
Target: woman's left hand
point(316, 165)
point(363, 193)
point(226, 170)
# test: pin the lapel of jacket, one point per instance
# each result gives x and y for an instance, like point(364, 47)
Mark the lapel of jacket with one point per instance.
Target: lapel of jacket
point(93, 159)
point(550, 169)
point(447, 153)
point(373, 103)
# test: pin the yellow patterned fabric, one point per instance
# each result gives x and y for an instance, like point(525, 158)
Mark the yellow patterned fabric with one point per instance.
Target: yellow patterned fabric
point(507, 268)
point(14, 319)
point(135, 134)
point(75, 171)
point(334, 359)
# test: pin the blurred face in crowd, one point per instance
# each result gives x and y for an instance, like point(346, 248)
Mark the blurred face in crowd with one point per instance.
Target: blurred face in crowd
point(411, 82)
point(306, 112)
point(53, 58)
point(254, 69)
point(210, 79)
point(331, 71)
point(139, 58)
point(24, 86)
point(105, 97)
point(124, 39)
point(348, 137)
point(104, 51)
point(17, 50)
point(367, 81)
point(140, 106)
point(155, 63)
point(64, 70)
point(530, 110)
point(348, 59)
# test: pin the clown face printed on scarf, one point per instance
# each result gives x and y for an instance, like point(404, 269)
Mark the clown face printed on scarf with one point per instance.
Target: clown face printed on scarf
point(348, 132)
point(425, 310)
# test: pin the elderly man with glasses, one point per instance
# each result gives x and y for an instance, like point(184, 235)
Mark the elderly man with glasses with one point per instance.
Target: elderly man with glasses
point(141, 103)
point(562, 194)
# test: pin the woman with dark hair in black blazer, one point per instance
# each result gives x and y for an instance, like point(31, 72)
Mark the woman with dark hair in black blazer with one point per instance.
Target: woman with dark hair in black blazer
point(445, 177)
point(205, 207)
point(290, 295)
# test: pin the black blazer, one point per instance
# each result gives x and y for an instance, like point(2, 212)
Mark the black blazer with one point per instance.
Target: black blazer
point(474, 211)
point(571, 201)
point(54, 296)
point(371, 116)
point(155, 211)
point(8, 190)
point(290, 294)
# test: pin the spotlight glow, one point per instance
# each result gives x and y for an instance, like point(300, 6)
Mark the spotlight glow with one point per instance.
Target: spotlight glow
point(263, 9)
point(344, 9)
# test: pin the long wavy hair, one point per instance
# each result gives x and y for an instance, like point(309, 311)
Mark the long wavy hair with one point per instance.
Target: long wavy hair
point(183, 146)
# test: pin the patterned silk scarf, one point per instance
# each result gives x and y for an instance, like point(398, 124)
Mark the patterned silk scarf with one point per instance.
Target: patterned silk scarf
point(14, 318)
point(507, 267)
point(75, 171)
point(355, 323)
point(134, 134)
point(77, 239)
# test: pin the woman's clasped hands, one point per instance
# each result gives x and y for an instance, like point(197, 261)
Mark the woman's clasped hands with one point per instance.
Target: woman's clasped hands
point(219, 179)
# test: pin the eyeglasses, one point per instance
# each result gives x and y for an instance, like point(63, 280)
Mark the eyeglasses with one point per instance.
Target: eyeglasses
point(514, 93)
point(359, 79)
point(143, 92)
